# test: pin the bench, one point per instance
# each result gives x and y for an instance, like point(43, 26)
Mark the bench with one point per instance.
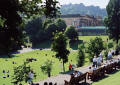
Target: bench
point(96, 74)
point(76, 80)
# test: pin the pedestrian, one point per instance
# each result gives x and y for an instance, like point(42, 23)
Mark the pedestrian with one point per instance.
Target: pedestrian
point(95, 61)
point(30, 77)
point(70, 67)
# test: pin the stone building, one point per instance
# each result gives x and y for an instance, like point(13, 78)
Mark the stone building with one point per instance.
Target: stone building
point(78, 20)
point(85, 24)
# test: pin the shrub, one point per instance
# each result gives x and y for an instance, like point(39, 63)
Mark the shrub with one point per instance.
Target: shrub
point(81, 56)
point(47, 67)
point(95, 47)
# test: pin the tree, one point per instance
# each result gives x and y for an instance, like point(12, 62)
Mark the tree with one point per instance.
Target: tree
point(81, 56)
point(35, 30)
point(95, 46)
point(51, 8)
point(12, 14)
point(51, 29)
point(47, 67)
point(61, 25)
point(113, 19)
point(59, 45)
point(71, 33)
point(21, 73)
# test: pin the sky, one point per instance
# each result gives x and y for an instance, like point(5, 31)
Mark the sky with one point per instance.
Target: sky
point(100, 3)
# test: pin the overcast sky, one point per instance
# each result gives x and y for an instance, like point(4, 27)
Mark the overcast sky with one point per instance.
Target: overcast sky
point(101, 3)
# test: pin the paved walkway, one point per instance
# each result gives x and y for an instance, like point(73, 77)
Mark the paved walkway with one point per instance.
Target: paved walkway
point(59, 79)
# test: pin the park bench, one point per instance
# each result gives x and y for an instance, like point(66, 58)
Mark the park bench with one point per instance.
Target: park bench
point(96, 74)
point(110, 68)
point(76, 80)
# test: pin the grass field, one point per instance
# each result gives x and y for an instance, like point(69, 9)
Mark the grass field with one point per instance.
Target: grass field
point(40, 55)
point(113, 79)
point(6, 64)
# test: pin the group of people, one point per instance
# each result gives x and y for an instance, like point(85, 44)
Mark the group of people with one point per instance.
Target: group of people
point(76, 73)
point(97, 61)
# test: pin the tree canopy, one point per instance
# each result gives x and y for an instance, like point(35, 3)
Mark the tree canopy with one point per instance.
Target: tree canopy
point(12, 13)
point(113, 19)
point(71, 33)
point(95, 47)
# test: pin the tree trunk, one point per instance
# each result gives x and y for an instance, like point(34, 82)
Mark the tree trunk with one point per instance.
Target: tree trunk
point(49, 74)
point(117, 41)
point(63, 66)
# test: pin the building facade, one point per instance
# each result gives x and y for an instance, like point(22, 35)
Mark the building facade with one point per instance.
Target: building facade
point(78, 20)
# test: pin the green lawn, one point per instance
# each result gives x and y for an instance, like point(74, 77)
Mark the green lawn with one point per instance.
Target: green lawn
point(113, 79)
point(6, 63)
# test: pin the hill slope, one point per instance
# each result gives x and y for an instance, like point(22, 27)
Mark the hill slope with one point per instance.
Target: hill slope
point(83, 10)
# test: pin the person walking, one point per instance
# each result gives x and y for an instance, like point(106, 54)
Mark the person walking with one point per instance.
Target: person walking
point(30, 77)
point(95, 61)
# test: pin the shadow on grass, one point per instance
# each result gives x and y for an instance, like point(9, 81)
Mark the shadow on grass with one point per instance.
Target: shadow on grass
point(6, 56)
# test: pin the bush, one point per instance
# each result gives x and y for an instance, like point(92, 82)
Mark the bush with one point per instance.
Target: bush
point(47, 67)
point(81, 56)
point(95, 47)
point(110, 45)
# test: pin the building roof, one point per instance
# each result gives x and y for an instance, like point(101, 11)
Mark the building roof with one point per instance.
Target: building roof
point(93, 27)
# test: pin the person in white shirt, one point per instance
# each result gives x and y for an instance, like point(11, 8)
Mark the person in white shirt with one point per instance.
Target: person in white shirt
point(30, 76)
point(99, 60)
point(95, 61)
point(101, 56)
point(109, 55)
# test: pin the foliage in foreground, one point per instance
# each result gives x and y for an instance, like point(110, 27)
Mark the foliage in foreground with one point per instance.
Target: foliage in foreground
point(21, 74)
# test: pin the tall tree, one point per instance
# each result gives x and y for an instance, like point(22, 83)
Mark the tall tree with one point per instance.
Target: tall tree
point(113, 19)
point(59, 45)
point(12, 13)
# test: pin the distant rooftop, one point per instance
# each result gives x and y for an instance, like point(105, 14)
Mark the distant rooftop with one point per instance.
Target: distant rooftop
point(78, 15)
point(93, 27)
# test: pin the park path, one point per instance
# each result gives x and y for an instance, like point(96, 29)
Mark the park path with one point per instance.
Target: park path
point(59, 79)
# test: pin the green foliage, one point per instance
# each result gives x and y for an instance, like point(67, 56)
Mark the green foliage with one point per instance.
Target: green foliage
point(40, 30)
point(112, 20)
point(71, 33)
point(95, 46)
point(35, 30)
point(21, 73)
point(13, 17)
point(81, 56)
point(51, 8)
point(59, 45)
point(47, 67)
point(110, 45)
point(51, 29)
point(61, 25)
